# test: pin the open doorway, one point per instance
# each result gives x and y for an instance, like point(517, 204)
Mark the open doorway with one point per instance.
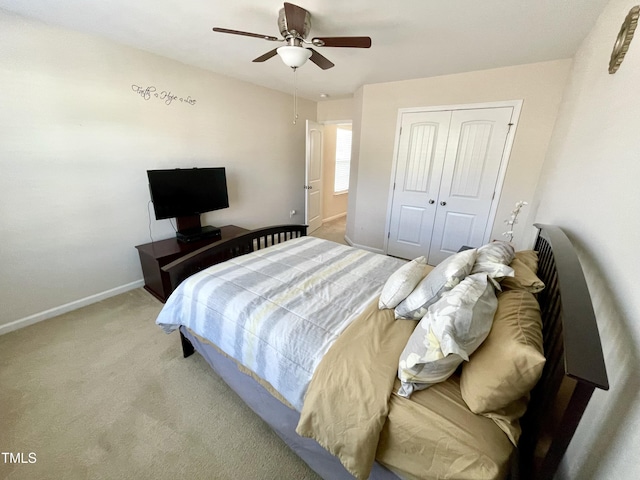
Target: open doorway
point(336, 166)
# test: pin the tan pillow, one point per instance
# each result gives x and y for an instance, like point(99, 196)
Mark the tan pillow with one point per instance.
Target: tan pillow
point(510, 361)
point(508, 418)
point(529, 258)
point(524, 278)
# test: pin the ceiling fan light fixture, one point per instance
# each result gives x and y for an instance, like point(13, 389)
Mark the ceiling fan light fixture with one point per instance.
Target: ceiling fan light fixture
point(293, 56)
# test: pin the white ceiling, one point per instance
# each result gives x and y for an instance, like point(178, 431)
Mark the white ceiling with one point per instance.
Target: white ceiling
point(411, 38)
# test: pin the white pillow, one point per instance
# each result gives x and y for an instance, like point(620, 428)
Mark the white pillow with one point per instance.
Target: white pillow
point(494, 259)
point(442, 278)
point(453, 328)
point(422, 362)
point(402, 282)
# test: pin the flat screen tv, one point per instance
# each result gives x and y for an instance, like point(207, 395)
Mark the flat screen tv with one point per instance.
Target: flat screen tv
point(185, 193)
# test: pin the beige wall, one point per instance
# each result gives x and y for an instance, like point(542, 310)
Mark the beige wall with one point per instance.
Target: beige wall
point(335, 110)
point(589, 187)
point(539, 85)
point(75, 144)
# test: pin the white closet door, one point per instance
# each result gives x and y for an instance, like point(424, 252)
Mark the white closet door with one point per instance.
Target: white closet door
point(474, 153)
point(420, 157)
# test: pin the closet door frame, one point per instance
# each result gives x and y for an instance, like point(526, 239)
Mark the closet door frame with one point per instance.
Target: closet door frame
point(517, 108)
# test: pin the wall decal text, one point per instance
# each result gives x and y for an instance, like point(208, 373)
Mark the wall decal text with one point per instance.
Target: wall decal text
point(167, 97)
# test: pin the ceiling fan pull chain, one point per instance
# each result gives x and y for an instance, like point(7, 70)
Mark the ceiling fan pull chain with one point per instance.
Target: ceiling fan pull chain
point(295, 95)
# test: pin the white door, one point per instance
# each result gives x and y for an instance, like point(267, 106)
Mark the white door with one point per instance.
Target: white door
point(313, 177)
point(447, 167)
point(421, 153)
point(475, 149)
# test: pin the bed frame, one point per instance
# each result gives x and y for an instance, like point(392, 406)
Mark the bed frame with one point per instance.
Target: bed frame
point(218, 252)
point(573, 370)
point(575, 364)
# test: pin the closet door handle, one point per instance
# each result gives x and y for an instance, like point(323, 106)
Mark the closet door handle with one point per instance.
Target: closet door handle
point(431, 202)
point(443, 203)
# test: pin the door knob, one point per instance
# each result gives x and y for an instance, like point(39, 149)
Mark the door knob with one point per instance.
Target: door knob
point(431, 202)
point(443, 203)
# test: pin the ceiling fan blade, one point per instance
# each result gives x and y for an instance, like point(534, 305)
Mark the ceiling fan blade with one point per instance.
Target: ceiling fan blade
point(320, 60)
point(352, 42)
point(295, 16)
point(246, 34)
point(266, 56)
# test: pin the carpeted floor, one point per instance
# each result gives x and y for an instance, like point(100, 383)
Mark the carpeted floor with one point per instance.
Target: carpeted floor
point(333, 230)
point(103, 393)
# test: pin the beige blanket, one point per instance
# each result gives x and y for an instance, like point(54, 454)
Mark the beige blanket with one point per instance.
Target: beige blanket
point(434, 435)
point(352, 411)
point(347, 402)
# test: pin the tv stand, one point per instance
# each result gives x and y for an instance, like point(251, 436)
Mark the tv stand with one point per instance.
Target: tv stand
point(191, 230)
point(199, 233)
point(188, 222)
point(155, 255)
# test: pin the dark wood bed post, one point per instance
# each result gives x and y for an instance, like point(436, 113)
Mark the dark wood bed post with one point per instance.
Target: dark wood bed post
point(187, 347)
point(575, 363)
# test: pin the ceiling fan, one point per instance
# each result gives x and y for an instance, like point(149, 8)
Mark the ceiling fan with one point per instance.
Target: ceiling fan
point(295, 23)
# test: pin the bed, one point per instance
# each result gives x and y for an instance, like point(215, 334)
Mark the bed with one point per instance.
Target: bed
point(239, 304)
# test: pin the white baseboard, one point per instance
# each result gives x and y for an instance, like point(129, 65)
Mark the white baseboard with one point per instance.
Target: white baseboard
point(335, 217)
point(364, 247)
point(68, 307)
point(348, 240)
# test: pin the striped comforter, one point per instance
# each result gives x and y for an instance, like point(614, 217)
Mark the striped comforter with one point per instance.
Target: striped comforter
point(277, 311)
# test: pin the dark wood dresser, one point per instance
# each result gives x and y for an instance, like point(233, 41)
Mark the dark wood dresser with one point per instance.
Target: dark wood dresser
point(155, 255)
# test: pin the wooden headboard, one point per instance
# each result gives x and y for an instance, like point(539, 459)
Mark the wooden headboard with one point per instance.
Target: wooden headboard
point(575, 364)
